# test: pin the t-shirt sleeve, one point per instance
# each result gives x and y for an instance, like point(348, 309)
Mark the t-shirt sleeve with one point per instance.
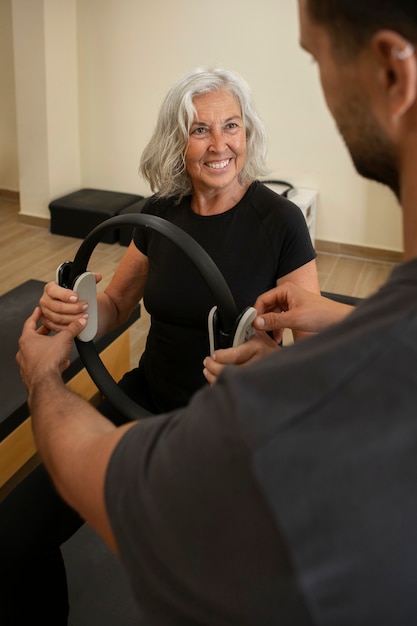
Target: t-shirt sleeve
point(139, 237)
point(191, 525)
point(297, 248)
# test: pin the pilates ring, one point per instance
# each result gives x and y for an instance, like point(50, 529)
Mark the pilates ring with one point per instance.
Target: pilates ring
point(228, 315)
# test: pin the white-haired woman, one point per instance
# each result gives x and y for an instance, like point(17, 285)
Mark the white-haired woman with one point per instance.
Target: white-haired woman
point(202, 162)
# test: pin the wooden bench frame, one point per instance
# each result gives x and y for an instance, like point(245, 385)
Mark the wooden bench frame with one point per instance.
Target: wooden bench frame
point(18, 453)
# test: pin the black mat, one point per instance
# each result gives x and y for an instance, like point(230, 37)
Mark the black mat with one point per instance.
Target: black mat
point(15, 307)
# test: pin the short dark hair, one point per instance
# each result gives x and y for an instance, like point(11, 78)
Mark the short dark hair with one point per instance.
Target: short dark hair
point(351, 23)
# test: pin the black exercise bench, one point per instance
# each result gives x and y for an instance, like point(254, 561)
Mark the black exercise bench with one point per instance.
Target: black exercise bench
point(17, 451)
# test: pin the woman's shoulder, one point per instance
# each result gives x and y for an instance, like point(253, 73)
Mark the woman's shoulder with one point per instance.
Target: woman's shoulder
point(267, 201)
point(262, 191)
point(159, 206)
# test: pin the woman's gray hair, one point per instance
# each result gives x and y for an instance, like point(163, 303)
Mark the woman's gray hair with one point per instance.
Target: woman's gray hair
point(163, 160)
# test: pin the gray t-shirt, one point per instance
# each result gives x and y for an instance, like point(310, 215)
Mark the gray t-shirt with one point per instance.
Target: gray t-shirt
point(285, 493)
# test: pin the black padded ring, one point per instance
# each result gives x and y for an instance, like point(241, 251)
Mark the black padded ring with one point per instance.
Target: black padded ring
point(226, 306)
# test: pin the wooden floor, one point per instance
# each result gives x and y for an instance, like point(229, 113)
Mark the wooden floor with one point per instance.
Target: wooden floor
point(33, 252)
point(351, 276)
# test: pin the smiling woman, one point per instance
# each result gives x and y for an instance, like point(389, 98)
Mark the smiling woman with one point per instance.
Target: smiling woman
point(216, 151)
point(163, 161)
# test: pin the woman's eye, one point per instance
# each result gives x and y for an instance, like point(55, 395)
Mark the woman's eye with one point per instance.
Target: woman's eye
point(199, 131)
point(232, 126)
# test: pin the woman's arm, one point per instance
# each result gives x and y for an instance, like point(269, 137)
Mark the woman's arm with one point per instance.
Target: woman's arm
point(124, 291)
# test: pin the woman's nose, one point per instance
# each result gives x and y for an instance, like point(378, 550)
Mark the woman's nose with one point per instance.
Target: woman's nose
point(218, 141)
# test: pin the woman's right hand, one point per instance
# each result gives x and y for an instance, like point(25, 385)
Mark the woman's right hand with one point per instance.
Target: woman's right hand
point(61, 306)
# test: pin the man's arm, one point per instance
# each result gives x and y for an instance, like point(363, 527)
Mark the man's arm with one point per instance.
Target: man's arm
point(74, 440)
point(290, 306)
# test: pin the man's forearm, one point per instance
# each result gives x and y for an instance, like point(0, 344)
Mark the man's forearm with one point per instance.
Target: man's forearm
point(63, 424)
point(74, 440)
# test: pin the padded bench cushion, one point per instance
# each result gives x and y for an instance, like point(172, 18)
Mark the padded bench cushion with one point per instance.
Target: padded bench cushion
point(77, 213)
point(15, 306)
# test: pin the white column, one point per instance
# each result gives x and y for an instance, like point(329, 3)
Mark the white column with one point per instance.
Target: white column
point(46, 76)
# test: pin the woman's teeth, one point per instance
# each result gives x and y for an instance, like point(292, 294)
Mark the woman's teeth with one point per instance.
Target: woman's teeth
point(220, 165)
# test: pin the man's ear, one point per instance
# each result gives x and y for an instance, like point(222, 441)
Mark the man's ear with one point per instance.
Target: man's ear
point(397, 75)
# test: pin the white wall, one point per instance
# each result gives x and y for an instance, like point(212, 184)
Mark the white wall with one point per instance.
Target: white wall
point(47, 112)
point(9, 171)
point(131, 51)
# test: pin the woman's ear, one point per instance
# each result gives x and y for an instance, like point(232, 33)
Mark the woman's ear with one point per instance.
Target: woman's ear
point(397, 73)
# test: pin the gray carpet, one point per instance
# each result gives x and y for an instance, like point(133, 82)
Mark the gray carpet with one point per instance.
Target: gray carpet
point(98, 587)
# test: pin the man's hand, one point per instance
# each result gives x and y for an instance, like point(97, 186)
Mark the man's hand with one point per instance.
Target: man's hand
point(289, 306)
point(259, 345)
point(40, 354)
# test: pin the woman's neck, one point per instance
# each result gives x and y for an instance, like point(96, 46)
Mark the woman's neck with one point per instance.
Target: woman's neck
point(216, 201)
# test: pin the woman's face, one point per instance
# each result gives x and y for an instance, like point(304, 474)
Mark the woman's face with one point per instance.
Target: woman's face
point(216, 151)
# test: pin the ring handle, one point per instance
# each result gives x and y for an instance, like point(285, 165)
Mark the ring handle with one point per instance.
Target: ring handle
point(226, 306)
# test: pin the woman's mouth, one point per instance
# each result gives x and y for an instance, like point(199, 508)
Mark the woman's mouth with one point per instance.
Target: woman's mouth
point(218, 165)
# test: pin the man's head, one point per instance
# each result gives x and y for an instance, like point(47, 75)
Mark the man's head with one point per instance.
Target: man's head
point(368, 69)
point(352, 23)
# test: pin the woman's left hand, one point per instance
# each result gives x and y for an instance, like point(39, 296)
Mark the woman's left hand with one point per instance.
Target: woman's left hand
point(258, 346)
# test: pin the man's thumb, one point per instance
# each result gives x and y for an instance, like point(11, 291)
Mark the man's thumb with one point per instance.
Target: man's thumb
point(270, 321)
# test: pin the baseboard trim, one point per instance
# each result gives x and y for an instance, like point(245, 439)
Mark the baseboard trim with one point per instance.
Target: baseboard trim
point(329, 247)
point(361, 252)
point(32, 220)
point(11, 195)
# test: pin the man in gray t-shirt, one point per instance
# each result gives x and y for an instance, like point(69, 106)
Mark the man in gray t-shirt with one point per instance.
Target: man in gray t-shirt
point(284, 493)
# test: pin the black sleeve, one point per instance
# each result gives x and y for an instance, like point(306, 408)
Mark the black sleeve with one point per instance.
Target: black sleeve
point(287, 230)
point(297, 248)
point(140, 234)
point(193, 529)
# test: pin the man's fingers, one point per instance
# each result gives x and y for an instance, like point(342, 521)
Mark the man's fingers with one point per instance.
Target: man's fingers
point(32, 321)
point(270, 300)
point(43, 330)
point(272, 321)
point(75, 327)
